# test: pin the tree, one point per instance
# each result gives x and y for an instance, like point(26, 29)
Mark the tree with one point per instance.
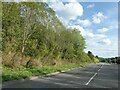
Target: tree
point(10, 27)
point(90, 55)
point(97, 57)
point(32, 29)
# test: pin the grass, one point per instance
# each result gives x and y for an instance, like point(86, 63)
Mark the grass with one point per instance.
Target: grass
point(22, 73)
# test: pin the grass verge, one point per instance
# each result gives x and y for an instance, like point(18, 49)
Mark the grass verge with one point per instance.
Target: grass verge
point(22, 73)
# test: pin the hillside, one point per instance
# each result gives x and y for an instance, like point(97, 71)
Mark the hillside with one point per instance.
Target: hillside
point(33, 37)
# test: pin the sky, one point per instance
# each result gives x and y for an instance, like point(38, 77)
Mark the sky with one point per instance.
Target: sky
point(97, 22)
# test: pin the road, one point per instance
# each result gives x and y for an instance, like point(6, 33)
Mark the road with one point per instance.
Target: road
point(100, 75)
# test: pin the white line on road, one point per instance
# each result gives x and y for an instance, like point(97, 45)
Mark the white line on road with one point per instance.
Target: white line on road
point(91, 79)
point(102, 65)
point(98, 70)
point(94, 75)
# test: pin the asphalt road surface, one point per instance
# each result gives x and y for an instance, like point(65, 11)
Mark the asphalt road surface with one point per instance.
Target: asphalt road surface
point(100, 75)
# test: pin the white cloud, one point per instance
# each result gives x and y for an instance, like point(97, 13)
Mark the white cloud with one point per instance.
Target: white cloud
point(102, 30)
point(106, 41)
point(114, 25)
point(71, 0)
point(69, 11)
point(87, 34)
point(84, 23)
point(96, 40)
point(98, 18)
point(82, 31)
point(62, 0)
point(100, 36)
point(91, 6)
point(105, 50)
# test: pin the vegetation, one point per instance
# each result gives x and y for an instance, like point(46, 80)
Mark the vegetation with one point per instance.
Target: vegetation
point(32, 36)
point(22, 73)
point(110, 60)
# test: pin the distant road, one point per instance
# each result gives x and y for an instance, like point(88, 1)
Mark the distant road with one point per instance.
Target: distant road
point(100, 75)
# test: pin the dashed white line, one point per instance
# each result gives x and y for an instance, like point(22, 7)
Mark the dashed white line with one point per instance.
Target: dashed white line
point(93, 75)
point(101, 66)
point(91, 79)
point(98, 70)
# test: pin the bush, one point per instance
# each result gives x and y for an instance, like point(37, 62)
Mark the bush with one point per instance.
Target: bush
point(96, 60)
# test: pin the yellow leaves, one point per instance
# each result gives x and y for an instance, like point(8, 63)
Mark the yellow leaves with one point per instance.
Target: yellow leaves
point(96, 60)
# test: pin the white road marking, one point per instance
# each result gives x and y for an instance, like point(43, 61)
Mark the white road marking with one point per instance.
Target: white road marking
point(102, 66)
point(91, 79)
point(94, 75)
point(98, 70)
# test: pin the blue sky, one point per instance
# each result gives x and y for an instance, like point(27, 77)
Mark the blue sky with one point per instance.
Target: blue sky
point(97, 21)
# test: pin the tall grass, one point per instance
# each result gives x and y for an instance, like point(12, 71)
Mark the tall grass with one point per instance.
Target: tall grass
point(19, 73)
